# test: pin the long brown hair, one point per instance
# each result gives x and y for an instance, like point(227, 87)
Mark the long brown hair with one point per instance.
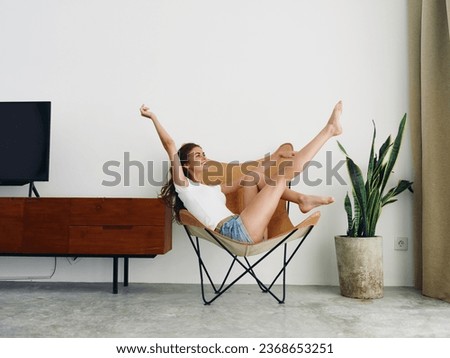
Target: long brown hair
point(168, 193)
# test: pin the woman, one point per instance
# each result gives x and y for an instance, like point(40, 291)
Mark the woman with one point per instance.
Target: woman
point(187, 187)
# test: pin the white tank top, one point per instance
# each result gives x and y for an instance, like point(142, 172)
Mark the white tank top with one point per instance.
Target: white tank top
point(205, 202)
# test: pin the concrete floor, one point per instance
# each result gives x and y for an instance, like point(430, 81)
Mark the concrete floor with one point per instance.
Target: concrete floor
point(31, 309)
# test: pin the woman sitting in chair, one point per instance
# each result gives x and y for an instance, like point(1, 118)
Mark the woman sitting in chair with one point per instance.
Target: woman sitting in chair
point(188, 187)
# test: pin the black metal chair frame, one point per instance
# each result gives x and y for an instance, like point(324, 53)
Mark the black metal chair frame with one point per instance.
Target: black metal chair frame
point(246, 265)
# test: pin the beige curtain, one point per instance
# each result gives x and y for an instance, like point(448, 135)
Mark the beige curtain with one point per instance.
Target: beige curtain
point(429, 113)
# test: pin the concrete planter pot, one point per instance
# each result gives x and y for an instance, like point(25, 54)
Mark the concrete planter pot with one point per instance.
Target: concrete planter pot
point(360, 266)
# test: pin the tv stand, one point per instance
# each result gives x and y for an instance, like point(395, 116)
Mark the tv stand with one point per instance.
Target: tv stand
point(32, 189)
point(86, 227)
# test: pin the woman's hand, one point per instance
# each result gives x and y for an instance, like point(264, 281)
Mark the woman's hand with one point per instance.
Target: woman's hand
point(145, 112)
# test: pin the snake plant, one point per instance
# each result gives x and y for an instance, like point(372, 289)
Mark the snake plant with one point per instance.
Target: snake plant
point(371, 196)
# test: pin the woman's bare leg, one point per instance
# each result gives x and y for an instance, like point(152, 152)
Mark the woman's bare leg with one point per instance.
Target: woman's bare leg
point(249, 193)
point(305, 202)
point(257, 214)
point(307, 153)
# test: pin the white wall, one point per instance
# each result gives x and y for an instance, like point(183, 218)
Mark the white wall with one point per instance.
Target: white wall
point(238, 77)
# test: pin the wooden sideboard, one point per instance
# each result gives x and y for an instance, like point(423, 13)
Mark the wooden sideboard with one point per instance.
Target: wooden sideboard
point(85, 227)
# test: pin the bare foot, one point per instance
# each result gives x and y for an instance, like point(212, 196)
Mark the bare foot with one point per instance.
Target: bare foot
point(309, 202)
point(334, 123)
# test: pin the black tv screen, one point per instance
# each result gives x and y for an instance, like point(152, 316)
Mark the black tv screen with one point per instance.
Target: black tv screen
point(24, 142)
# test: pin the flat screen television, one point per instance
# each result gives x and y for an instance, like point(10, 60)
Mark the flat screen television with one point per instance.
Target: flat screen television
point(24, 142)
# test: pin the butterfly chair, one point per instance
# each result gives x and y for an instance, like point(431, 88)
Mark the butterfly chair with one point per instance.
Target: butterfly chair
point(281, 231)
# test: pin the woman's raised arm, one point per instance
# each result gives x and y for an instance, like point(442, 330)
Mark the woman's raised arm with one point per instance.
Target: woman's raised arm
point(169, 145)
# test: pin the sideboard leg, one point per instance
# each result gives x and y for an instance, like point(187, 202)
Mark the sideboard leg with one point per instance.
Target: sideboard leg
point(115, 273)
point(125, 270)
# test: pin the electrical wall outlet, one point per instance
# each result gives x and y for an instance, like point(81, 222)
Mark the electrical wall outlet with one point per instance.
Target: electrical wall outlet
point(401, 243)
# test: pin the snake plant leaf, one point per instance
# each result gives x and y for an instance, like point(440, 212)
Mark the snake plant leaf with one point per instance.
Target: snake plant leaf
point(357, 226)
point(342, 148)
point(359, 196)
point(357, 180)
point(388, 195)
point(373, 200)
point(375, 215)
point(384, 149)
point(383, 152)
point(394, 153)
point(372, 158)
point(348, 209)
point(373, 210)
point(390, 202)
point(401, 186)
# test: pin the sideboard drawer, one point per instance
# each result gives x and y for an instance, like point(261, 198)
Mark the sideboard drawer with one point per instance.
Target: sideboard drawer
point(11, 225)
point(45, 226)
point(116, 211)
point(117, 240)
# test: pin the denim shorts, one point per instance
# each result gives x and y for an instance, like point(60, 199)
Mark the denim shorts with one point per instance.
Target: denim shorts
point(235, 229)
